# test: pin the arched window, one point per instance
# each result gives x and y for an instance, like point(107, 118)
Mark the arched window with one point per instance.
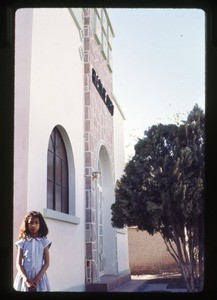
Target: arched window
point(57, 174)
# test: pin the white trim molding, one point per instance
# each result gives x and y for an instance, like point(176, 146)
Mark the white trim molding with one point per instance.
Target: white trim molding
point(56, 215)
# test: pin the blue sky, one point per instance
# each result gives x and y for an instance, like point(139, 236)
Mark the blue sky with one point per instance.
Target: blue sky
point(158, 66)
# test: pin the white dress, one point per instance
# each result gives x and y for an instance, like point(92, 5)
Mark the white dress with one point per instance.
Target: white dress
point(33, 260)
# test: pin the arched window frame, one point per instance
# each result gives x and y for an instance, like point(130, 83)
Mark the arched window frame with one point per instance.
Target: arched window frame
point(57, 174)
point(69, 217)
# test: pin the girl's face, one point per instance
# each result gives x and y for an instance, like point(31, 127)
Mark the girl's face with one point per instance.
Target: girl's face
point(33, 226)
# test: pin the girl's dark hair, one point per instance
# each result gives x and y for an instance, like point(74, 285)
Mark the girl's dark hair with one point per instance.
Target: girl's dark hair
point(43, 230)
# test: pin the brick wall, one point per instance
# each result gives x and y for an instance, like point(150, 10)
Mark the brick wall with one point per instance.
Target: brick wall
point(148, 254)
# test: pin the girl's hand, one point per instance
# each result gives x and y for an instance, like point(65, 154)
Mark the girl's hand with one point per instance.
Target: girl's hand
point(36, 280)
point(30, 283)
point(32, 289)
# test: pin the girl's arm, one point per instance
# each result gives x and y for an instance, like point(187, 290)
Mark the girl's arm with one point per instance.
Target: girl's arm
point(45, 266)
point(20, 268)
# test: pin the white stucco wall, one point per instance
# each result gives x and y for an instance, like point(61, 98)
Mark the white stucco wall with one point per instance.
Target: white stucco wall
point(123, 254)
point(119, 158)
point(56, 98)
point(23, 27)
point(119, 148)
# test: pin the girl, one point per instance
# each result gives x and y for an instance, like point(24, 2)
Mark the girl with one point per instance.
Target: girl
point(33, 254)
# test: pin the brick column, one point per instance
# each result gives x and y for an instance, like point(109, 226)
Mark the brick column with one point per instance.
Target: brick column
point(98, 127)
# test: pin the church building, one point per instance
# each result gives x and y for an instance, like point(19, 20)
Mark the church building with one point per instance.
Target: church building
point(69, 142)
